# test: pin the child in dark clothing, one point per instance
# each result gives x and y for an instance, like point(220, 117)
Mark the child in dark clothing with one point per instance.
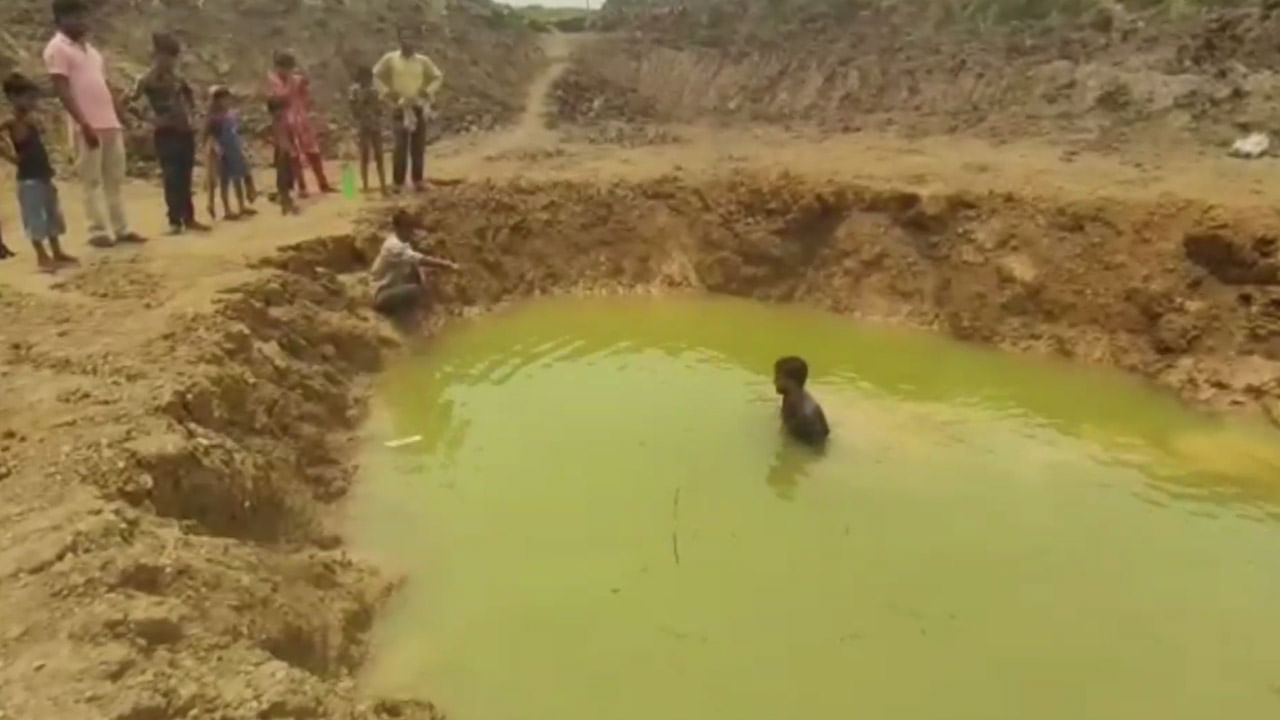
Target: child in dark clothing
point(801, 414)
point(37, 195)
point(367, 111)
point(286, 153)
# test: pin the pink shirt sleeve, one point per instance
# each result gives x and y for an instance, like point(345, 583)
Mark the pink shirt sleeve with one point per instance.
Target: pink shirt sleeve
point(56, 59)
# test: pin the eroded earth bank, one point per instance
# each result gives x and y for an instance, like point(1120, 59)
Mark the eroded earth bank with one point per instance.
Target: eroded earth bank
point(175, 433)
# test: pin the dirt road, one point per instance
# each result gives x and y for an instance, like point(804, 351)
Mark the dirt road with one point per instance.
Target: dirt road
point(173, 419)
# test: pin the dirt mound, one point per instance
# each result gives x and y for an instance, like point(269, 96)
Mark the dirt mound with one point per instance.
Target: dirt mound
point(487, 56)
point(164, 548)
point(1092, 72)
point(583, 96)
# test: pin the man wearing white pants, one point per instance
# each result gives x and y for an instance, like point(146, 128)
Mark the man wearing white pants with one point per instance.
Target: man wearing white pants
point(80, 82)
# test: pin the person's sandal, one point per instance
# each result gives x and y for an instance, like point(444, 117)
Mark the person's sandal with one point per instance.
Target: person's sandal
point(102, 241)
point(131, 238)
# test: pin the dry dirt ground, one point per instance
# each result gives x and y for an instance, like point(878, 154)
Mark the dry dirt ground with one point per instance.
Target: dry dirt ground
point(175, 419)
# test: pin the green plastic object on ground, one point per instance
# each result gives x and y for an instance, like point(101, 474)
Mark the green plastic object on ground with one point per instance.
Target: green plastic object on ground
point(348, 181)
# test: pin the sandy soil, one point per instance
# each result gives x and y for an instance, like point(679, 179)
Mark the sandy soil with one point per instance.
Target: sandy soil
point(175, 424)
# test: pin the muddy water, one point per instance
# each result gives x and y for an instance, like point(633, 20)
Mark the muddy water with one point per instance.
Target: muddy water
point(601, 520)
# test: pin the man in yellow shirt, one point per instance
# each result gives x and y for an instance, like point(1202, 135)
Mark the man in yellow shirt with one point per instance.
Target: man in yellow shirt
point(409, 81)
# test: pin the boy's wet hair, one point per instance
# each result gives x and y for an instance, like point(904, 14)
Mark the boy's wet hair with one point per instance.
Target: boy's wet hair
point(403, 219)
point(17, 85)
point(221, 93)
point(792, 368)
point(63, 8)
point(165, 44)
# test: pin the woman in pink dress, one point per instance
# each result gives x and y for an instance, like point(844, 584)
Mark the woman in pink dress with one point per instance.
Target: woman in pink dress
point(289, 84)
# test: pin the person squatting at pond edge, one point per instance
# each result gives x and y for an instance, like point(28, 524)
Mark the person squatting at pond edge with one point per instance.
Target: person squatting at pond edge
point(801, 415)
point(172, 102)
point(79, 79)
point(37, 195)
point(400, 289)
point(222, 132)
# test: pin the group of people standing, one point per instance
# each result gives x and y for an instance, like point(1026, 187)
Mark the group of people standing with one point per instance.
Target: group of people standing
point(400, 86)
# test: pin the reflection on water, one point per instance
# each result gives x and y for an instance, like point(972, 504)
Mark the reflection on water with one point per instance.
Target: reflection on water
point(791, 465)
point(585, 532)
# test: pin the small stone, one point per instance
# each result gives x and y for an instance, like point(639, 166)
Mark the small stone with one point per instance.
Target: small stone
point(1018, 269)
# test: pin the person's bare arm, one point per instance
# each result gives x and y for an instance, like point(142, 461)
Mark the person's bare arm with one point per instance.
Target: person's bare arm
point(7, 150)
point(434, 78)
point(62, 88)
point(382, 77)
point(135, 93)
point(120, 107)
point(431, 261)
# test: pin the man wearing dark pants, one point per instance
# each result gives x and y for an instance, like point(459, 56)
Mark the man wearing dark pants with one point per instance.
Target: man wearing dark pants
point(409, 80)
point(171, 100)
point(410, 148)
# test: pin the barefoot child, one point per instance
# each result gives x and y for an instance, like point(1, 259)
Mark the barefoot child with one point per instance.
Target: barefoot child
point(397, 272)
point(286, 152)
point(222, 132)
point(37, 195)
point(172, 103)
point(366, 110)
point(801, 414)
point(212, 178)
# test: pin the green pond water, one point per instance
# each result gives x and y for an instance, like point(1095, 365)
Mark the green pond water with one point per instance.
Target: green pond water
point(602, 521)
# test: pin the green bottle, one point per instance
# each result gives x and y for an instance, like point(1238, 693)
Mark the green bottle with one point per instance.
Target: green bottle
point(348, 181)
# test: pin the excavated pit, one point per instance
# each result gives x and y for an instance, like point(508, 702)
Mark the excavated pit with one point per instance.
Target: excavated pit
point(1179, 292)
point(202, 575)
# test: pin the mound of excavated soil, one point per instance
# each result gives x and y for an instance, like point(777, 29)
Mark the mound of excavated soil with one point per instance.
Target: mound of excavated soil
point(164, 494)
point(162, 553)
point(1107, 76)
point(486, 56)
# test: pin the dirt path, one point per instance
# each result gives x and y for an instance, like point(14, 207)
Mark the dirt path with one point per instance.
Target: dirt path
point(530, 133)
point(163, 404)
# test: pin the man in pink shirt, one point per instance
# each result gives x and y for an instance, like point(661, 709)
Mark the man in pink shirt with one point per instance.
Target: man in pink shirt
point(81, 84)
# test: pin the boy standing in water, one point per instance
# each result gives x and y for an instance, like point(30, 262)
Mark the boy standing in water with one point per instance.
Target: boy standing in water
point(37, 195)
point(801, 415)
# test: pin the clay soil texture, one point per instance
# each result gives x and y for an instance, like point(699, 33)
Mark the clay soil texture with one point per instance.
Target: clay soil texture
point(1098, 74)
point(167, 541)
